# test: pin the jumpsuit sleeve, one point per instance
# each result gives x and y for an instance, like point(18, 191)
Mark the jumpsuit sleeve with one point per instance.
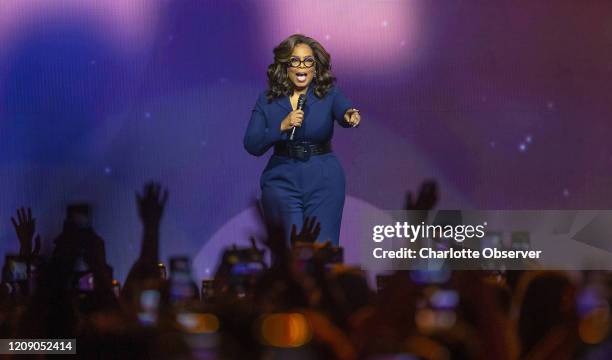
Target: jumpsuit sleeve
point(339, 107)
point(261, 132)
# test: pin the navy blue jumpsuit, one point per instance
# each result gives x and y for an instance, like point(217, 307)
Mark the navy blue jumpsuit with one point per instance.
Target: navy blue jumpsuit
point(293, 189)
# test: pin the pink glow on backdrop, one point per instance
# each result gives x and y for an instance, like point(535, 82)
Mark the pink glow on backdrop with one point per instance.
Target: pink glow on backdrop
point(127, 23)
point(360, 34)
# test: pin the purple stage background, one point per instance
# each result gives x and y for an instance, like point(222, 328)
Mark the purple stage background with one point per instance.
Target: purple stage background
point(507, 104)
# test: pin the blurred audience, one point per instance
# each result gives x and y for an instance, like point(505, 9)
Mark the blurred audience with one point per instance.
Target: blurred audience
point(304, 304)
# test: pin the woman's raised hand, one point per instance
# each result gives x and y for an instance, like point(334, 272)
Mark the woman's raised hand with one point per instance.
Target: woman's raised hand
point(352, 117)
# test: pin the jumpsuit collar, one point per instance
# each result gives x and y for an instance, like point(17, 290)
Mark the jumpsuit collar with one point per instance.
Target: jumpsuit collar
point(311, 98)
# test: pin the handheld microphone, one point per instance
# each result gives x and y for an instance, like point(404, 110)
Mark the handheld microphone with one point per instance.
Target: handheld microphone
point(300, 106)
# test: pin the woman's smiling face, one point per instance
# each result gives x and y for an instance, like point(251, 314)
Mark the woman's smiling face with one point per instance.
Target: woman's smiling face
point(301, 66)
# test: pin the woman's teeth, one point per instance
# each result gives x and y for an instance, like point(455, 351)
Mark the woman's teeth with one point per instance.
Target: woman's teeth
point(301, 77)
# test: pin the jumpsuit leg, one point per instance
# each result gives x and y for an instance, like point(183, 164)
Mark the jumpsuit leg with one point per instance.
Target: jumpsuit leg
point(281, 198)
point(324, 192)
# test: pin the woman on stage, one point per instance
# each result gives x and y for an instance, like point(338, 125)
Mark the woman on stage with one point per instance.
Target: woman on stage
point(303, 177)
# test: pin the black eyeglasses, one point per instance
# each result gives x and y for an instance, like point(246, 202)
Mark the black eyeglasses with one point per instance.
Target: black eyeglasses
point(296, 62)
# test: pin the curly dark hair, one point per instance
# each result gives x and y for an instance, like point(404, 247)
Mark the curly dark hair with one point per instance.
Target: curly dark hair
point(278, 81)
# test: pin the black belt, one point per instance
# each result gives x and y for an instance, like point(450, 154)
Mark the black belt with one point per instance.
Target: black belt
point(301, 150)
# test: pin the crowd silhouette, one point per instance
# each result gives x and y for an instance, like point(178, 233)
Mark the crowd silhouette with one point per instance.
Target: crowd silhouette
point(303, 303)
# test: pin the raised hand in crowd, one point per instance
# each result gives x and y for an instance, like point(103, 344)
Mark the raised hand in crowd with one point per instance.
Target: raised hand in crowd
point(426, 199)
point(309, 232)
point(25, 227)
point(151, 204)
